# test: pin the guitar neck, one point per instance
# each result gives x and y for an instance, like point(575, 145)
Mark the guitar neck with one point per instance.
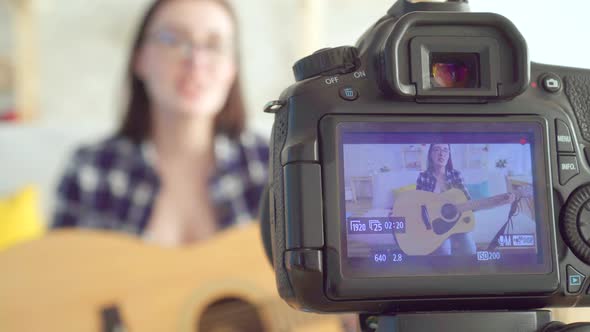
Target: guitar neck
point(484, 204)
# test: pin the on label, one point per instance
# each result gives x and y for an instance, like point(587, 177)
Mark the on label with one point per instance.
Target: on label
point(360, 74)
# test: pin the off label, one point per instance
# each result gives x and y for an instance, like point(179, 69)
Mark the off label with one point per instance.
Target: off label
point(331, 80)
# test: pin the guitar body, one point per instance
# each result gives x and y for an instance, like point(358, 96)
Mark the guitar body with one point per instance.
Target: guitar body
point(63, 281)
point(427, 225)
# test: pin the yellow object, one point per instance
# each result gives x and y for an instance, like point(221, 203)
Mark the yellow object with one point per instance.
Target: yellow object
point(431, 217)
point(420, 239)
point(20, 219)
point(398, 191)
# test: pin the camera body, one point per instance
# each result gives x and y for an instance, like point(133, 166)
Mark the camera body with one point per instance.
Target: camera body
point(431, 167)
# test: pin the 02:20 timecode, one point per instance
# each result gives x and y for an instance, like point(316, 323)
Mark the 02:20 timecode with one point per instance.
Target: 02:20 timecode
point(395, 225)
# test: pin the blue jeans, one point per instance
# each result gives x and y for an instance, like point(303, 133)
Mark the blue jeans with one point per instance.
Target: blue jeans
point(457, 244)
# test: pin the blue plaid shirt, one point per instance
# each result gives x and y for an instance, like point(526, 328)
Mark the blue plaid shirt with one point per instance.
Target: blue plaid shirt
point(427, 181)
point(113, 184)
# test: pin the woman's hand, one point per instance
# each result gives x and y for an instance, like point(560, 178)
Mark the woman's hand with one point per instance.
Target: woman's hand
point(510, 198)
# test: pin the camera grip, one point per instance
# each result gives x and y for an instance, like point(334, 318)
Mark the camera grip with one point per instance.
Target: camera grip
point(277, 204)
point(577, 90)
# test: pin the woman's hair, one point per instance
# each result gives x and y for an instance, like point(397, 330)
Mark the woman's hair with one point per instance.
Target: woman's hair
point(137, 120)
point(429, 164)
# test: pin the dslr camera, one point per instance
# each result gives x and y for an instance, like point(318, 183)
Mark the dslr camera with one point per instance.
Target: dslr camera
point(431, 167)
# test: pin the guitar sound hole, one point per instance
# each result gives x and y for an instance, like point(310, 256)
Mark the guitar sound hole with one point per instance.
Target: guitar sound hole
point(230, 315)
point(449, 212)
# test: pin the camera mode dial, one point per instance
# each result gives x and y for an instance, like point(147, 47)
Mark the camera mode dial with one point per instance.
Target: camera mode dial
point(328, 61)
point(575, 223)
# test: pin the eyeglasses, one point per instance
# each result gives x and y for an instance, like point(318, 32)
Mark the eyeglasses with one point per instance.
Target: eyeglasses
point(182, 46)
point(443, 150)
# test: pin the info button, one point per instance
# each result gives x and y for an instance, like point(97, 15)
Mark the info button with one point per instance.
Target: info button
point(568, 168)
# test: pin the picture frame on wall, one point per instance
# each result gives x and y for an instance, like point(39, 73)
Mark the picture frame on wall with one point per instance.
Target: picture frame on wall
point(7, 85)
point(7, 89)
point(18, 61)
point(412, 157)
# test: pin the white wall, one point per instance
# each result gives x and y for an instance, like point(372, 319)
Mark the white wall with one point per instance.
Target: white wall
point(367, 159)
point(5, 29)
point(556, 31)
point(84, 48)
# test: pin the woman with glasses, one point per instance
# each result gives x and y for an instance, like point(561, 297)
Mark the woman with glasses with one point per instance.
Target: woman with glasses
point(440, 176)
point(181, 166)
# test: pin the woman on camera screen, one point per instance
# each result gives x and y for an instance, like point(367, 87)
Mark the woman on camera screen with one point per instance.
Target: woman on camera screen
point(440, 176)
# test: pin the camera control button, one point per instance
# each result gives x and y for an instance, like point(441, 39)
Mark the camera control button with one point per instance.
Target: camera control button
point(328, 61)
point(348, 93)
point(303, 260)
point(568, 168)
point(574, 223)
point(564, 137)
point(303, 205)
point(552, 83)
point(587, 153)
point(575, 280)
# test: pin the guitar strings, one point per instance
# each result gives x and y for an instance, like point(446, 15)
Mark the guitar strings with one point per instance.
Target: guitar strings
point(508, 226)
point(515, 210)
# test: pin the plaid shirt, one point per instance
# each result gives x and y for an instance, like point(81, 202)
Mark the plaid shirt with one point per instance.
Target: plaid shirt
point(427, 181)
point(113, 184)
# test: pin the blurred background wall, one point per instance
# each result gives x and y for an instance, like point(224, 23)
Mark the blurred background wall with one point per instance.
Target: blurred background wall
point(80, 49)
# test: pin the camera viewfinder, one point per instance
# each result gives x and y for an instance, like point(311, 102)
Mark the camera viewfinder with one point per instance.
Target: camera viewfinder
point(454, 70)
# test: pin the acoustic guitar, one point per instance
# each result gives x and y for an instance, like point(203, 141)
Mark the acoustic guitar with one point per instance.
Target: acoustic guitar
point(431, 218)
point(99, 281)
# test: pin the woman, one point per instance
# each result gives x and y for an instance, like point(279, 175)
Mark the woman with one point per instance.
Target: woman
point(181, 166)
point(439, 177)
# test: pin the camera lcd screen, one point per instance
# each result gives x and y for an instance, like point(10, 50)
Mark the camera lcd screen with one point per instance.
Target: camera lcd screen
point(443, 198)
